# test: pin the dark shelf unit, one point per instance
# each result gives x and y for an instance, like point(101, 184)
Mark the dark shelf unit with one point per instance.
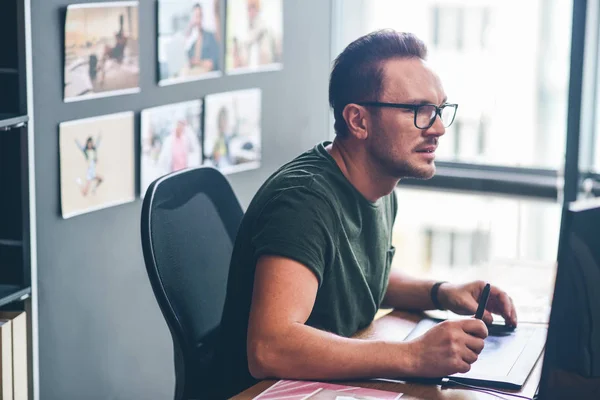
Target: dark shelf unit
point(15, 256)
point(16, 293)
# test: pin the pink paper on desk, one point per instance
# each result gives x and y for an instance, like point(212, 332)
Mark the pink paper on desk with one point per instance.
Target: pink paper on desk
point(305, 390)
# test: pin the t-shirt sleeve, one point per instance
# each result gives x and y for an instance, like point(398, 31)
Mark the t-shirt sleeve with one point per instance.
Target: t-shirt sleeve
point(297, 224)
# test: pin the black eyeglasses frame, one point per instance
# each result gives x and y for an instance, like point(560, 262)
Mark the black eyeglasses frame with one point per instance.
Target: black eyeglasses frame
point(415, 108)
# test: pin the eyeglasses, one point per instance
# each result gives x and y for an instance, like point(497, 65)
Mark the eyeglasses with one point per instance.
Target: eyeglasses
point(425, 114)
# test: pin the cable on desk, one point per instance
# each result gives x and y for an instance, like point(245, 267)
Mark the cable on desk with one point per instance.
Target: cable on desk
point(449, 382)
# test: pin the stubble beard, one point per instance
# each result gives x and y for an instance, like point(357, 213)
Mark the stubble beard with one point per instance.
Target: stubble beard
point(383, 155)
point(402, 169)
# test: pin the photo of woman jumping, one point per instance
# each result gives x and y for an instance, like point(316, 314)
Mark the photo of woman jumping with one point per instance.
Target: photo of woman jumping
point(92, 178)
point(97, 163)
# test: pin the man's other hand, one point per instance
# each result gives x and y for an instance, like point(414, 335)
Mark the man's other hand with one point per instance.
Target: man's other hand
point(463, 299)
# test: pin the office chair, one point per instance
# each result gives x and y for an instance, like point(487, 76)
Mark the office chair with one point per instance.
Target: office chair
point(189, 222)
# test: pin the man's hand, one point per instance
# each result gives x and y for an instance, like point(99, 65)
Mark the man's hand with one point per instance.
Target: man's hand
point(464, 299)
point(448, 348)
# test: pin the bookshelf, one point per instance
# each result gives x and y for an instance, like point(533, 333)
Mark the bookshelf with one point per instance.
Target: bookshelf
point(15, 151)
point(15, 276)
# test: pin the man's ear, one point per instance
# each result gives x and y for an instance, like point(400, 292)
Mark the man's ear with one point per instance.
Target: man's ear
point(356, 120)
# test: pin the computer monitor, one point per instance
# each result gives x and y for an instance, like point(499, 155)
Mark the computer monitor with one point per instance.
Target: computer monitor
point(571, 367)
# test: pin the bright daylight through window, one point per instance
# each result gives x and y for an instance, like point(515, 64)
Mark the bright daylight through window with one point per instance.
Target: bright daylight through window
point(506, 63)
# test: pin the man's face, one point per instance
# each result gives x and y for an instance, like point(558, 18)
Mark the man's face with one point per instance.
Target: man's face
point(197, 17)
point(395, 143)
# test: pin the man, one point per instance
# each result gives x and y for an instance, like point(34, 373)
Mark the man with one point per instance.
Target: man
point(259, 47)
point(202, 47)
point(311, 262)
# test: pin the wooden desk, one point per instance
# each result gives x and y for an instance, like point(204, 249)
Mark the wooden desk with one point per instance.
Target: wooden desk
point(395, 326)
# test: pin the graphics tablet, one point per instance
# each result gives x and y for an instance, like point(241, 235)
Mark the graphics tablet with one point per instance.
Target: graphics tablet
point(507, 358)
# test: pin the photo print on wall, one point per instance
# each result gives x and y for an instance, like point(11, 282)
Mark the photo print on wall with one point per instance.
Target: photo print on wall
point(232, 130)
point(101, 50)
point(254, 36)
point(97, 167)
point(170, 140)
point(189, 40)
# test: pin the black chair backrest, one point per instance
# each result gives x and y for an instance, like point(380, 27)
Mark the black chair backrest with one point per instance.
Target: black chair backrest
point(189, 222)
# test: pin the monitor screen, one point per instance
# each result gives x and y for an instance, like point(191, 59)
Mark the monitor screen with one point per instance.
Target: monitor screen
point(571, 367)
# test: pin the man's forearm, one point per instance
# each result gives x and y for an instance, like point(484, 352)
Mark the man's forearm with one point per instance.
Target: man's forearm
point(303, 352)
point(408, 293)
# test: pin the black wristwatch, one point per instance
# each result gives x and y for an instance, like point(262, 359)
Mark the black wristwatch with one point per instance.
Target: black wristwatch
point(434, 295)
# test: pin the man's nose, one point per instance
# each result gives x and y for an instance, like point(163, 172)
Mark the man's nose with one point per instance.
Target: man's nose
point(437, 128)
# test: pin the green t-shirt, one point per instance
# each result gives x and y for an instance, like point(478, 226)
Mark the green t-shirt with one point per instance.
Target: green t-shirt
point(309, 212)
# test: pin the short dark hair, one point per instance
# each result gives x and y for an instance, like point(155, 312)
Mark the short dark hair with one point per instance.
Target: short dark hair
point(197, 5)
point(357, 73)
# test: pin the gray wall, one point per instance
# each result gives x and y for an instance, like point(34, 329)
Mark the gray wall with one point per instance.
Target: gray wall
point(101, 334)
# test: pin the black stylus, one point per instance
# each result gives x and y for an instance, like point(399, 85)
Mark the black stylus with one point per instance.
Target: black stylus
point(485, 295)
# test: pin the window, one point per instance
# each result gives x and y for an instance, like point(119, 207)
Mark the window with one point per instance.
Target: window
point(505, 62)
point(525, 141)
point(461, 237)
point(459, 28)
point(447, 25)
point(442, 233)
